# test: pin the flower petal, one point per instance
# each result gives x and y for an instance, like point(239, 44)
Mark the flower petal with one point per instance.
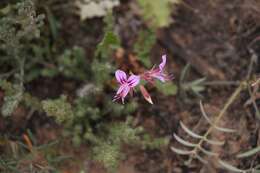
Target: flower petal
point(133, 80)
point(160, 77)
point(125, 91)
point(122, 92)
point(121, 76)
point(120, 89)
point(161, 66)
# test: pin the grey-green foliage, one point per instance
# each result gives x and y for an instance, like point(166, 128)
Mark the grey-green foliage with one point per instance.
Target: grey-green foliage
point(11, 101)
point(145, 41)
point(107, 148)
point(168, 88)
point(195, 87)
point(85, 122)
point(87, 117)
point(19, 25)
point(101, 65)
point(71, 64)
point(13, 96)
point(107, 154)
point(22, 45)
point(249, 152)
point(143, 46)
point(58, 108)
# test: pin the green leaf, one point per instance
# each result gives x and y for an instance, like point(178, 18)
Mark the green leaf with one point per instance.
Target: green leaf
point(182, 141)
point(6, 9)
point(146, 40)
point(52, 22)
point(13, 96)
point(109, 42)
point(249, 153)
point(167, 88)
point(180, 151)
point(11, 103)
point(157, 11)
point(194, 135)
point(230, 167)
point(59, 108)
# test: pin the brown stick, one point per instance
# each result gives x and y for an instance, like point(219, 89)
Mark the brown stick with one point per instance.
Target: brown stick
point(175, 46)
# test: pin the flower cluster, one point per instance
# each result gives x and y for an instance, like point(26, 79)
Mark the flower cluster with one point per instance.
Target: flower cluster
point(127, 84)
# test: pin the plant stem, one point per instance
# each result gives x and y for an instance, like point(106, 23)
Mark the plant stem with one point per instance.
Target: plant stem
point(231, 99)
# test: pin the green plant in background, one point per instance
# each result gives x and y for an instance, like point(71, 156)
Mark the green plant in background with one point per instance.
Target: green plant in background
point(71, 64)
point(92, 110)
point(145, 41)
point(18, 158)
point(143, 46)
point(194, 87)
point(107, 149)
point(167, 89)
point(18, 26)
point(58, 108)
point(157, 12)
point(88, 117)
point(101, 66)
point(106, 138)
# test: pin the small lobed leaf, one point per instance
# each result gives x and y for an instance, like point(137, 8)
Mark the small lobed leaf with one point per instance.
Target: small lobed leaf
point(59, 108)
point(167, 88)
point(10, 104)
point(109, 41)
point(13, 96)
point(145, 41)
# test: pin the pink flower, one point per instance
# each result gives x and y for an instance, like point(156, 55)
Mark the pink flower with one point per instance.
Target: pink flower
point(157, 73)
point(126, 84)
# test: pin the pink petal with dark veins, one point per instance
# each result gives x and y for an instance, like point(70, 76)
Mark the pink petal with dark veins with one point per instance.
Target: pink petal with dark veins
point(133, 80)
point(121, 76)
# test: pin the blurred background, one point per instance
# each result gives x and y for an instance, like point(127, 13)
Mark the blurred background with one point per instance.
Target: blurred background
point(57, 83)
